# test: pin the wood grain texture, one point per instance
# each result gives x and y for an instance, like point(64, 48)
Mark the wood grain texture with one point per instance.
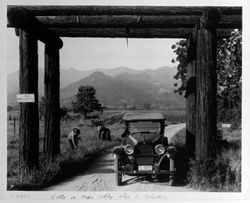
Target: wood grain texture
point(132, 32)
point(47, 10)
point(29, 121)
point(135, 21)
point(52, 104)
point(206, 104)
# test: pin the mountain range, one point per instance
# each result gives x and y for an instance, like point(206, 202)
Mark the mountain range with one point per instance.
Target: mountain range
point(119, 87)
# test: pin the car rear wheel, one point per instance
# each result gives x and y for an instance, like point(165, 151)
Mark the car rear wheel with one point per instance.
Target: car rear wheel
point(118, 176)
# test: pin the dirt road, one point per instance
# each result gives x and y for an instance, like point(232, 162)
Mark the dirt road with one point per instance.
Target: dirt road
point(100, 177)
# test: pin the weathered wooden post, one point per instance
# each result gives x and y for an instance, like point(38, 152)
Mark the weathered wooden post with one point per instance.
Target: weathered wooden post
point(191, 94)
point(206, 105)
point(52, 102)
point(28, 83)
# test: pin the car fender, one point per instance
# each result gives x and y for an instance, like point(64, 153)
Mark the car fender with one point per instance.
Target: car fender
point(118, 150)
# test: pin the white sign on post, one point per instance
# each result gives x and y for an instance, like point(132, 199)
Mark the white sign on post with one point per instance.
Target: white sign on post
point(226, 125)
point(26, 98)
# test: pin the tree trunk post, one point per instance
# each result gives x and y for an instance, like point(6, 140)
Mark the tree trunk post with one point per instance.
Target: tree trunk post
point(206, 104)
point(191, 95)
point(29, 120)
point(52, 102)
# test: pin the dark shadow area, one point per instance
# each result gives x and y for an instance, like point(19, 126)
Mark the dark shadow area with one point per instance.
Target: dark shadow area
point(182, 166)
point(102, 170)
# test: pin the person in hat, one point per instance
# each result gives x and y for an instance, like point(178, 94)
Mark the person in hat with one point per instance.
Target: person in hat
point(104, 133)
point(73, 138)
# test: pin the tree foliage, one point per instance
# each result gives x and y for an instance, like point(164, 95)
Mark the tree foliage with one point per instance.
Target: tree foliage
point(86, 101)
point(180, 49)
point(229, 71)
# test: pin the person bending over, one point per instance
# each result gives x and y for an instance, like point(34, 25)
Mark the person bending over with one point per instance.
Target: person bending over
point(104, 133)
point(73, 138)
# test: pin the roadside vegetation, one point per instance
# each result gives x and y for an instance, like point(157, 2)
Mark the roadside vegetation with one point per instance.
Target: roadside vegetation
point(69, 162)
point(223, 173)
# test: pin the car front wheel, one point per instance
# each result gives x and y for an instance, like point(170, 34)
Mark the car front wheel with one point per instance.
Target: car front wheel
point(118, 176)
point(172, 169)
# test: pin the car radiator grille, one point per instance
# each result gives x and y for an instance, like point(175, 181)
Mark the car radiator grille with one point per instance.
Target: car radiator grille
point(144, 154)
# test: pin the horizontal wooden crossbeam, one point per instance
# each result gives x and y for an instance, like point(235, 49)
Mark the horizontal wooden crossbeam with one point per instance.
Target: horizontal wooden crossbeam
point(135, 21)
point(132, 32)
point(23, 19)
point(124, 10)
point(122, 21)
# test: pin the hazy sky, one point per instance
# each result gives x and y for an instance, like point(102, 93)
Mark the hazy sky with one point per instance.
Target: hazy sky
point(90, 53)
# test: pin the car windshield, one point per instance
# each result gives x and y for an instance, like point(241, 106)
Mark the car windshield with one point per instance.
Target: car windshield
point(144, 126)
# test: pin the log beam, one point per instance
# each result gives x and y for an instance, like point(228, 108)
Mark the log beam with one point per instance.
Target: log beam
point(132, 32)
point(135, 21)
point(19, 17)
point(52, 102)
point(29, 121)
point(206, 82)
point(48, 10)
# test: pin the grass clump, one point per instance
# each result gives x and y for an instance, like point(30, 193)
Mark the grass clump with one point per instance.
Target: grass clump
point(222, 174)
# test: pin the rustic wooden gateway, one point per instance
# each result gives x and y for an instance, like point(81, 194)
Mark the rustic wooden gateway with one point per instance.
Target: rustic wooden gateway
point(200, 25)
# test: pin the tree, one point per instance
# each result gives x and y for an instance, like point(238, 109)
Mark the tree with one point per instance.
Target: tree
point(229, 70)
point(86, 101)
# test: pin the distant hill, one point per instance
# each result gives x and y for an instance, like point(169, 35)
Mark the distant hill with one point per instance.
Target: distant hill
point(125, 90)
point(109, 90)
point(131, 83)
point(66, 77)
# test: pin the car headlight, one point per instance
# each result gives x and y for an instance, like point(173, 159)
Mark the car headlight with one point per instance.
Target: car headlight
point(159, 149)
point(128, 149)
point(171, 150)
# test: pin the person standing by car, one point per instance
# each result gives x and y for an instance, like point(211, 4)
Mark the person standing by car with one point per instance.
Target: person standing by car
point(73, 138)
point(104, 133)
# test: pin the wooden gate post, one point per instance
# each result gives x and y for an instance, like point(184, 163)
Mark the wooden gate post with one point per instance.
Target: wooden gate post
point(52, 103)
point(29, 120)
point(191, 94)
point(206, 105)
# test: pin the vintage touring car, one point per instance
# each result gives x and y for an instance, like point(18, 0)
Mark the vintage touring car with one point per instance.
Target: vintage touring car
point(145, 149)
